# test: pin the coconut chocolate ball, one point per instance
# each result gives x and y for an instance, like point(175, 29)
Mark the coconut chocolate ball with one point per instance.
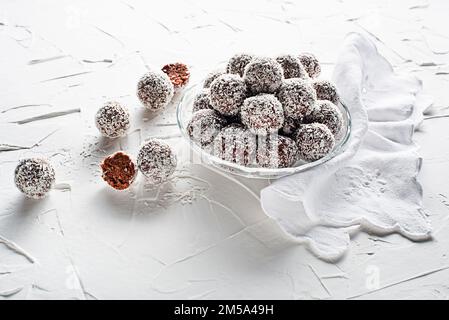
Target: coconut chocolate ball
point(34, 177)
point(311, 64)
point(298, 98)
point(237, 64)
point(276, 151)
point(263, 75)
point(262, 114)
point(289, 127)
point(326, 90)
point(112, 120)
point(118, 170)
point(236, 144)
point(202, 101)
point(292, 67)
point(314, 141)
point(227, 93)
point(204, 126)
point(155, 90)
point(211, 77)
point(178, 73)
point(156, 161)
point(327, 113)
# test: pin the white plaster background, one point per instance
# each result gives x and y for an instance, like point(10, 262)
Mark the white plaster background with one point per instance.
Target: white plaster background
point(203, 234)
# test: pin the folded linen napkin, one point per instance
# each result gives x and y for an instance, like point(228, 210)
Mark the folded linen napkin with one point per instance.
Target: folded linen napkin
point(372, 185)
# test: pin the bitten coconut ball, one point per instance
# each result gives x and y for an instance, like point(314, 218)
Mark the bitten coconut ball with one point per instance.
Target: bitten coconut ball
point(263, 75)
point(292, 67)
point(118, 170)
point(155, 90)
point(262, 114)
point(34, 177)
point(314, 141)
point(327, 113)
point(156, 161)
point(326, 90)
point(311, 64)
point(298, 98)
point(202, 101)
point(236, 144)
point(211, 77)
point(276, 151)
point(237, 64)
point(227, 93)
point(204, 126)
point(112, 120)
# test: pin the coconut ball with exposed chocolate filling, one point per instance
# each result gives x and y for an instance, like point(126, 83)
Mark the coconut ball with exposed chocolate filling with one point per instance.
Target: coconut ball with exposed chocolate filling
point(326, 90)
point(311, 64)
point(34, 177)
point(178, 73)
point(327, 113)
point(292, 67)
point(155, 90)
point(263, 75)
point(238, 62)
point(276, 151)
point(211, 76)
point(236, 144)
point(262, 114)
point(112, 120)
point(227, 93)
point(314, 141)
point(297, 97)
point(289, 127)
point(118, 170)
point(202, 101)
point(156, 161)
point(204, 126)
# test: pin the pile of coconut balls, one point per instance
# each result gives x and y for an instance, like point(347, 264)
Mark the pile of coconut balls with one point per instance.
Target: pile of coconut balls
point(267, 112)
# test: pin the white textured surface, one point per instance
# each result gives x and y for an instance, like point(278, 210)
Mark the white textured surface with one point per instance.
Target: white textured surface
point(203, 235)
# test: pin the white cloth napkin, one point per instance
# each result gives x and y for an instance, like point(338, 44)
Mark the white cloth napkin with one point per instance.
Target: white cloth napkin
point(372, 186)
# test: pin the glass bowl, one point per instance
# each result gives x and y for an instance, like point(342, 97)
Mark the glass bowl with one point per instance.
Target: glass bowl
point(184, 114)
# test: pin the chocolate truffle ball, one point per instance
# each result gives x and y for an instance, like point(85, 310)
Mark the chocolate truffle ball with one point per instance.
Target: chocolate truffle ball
point(178, 73)
point(297, 97)
point(156, 161)
point(314, 141)
point(289, 127)
point(118, 170)
point(202, 101)
point(263, 75)
point(326, 90)
point(292, 67)
point(211, 77)
point(155, 90)
point(262, 114)
point(204, 126)
point(327, 113)
point(227, 93)
point(276, 151)
point(112, 120)
point(237, 64)
point(311, 64)
point(236, 144)
point(34, 177)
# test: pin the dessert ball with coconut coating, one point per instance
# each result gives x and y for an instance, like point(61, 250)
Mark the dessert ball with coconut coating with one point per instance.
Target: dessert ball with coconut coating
point(297, 97)
point(276, 151)
point(327, 113)
point(238, 62)
point(155, 90)
point(34, 177)
point(311, 64)
point(314, 141)
point(112, 120)
point(326, 90)
point(118, 170)
point(204, 126)
point(202, 101)
point(292, 67)
point(236, 144)
point(211, 77)
point(263, 75)
point(262, 114)
point(156, 161)
point(227, 93)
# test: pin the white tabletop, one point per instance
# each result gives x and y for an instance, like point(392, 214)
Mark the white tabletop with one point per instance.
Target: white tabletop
point(203, 234)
